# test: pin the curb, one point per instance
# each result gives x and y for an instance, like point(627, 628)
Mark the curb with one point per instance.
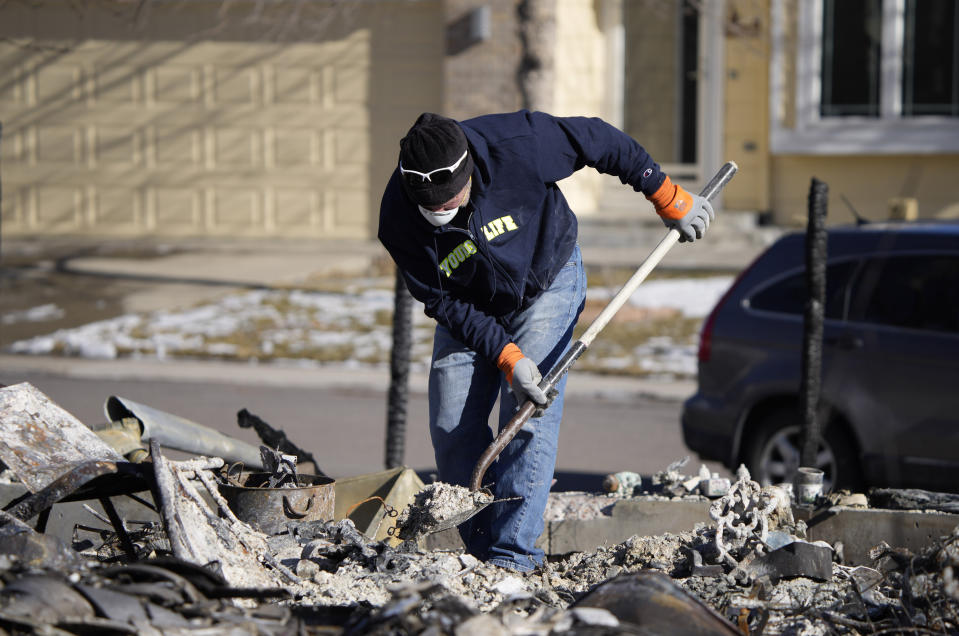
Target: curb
point(585, 385)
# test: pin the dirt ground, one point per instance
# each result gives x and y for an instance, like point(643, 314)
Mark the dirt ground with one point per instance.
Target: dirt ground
point(35, 273)
point(29, 279)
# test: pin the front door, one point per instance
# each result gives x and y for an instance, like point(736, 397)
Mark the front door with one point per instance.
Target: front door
point(671, 74)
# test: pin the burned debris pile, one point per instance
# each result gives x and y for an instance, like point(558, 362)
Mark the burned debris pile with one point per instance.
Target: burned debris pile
point(194, 557)
point(156, 596)
point(439, 506)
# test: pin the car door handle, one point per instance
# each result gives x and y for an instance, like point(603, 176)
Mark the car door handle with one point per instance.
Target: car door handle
point(845, 341)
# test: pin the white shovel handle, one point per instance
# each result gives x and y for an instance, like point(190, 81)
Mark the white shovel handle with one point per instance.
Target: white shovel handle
point(715, 185)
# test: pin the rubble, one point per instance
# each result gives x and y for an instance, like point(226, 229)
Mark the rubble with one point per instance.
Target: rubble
point(911, 499)
point(40, 441)
point(439, 506)
point(669, 483)
point(275, 439)
point(578, 505)
point(744, 514)
point(198, 534)
point(746, 567)
point(623, 483)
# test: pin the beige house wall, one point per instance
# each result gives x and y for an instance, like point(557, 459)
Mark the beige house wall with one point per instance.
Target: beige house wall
point(195, 124)
point(746, 107)
point(581, 86)
point(780, 182)
point(581, 56)
point(480, 77)
point(868, 182)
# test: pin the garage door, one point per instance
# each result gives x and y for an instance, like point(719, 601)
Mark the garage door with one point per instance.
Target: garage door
point(191, 121)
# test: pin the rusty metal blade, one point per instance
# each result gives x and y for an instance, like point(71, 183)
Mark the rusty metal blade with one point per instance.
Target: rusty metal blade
point(40, 441)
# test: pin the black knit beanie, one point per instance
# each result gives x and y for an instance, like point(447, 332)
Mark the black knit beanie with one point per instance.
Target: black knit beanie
point(434, 142)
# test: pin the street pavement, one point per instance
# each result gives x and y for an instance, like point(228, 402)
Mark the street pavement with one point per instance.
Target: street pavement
point(169, 273)
point(182, 273)
point(343, 424)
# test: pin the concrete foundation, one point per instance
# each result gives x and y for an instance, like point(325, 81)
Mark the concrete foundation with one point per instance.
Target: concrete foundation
point(860, 530)
point(857, 529)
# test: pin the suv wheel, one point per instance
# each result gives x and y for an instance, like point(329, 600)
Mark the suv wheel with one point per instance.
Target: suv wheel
point(772, 456)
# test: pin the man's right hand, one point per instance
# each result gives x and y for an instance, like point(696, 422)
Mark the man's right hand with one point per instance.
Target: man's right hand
point(687, 213)
point(522, 375)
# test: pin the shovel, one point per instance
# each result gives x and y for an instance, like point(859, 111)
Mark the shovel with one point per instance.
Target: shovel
point(460, 516)
point(549, 382)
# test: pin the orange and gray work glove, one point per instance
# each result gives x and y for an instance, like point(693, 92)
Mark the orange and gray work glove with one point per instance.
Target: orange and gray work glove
point(687, 213)
point(522, 375)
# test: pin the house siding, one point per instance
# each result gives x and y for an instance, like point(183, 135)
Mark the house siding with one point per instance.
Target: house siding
point(868, 182)
point(196, 125)
point(746, 118)
point(580, 88)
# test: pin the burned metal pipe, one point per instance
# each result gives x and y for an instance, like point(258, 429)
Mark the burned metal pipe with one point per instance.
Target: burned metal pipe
point(173, 431)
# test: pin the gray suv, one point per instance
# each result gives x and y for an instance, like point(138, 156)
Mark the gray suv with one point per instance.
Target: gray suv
point(890, 374)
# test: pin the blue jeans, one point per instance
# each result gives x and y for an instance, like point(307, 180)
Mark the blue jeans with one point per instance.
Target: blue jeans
point(462, 392)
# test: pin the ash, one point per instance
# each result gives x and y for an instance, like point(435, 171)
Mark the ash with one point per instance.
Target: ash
point(409, 590)
point(438, 506)
point(577, 505)
point(327, 577)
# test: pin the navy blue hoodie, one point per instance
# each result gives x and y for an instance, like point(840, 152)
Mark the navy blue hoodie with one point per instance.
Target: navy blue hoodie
point(519, 229)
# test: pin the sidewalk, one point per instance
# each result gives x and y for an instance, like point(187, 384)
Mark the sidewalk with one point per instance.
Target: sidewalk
point(609, 387)
point(168, 273)
point(190, 270)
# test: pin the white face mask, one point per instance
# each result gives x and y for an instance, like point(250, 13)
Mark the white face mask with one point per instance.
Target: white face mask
point(442, 217)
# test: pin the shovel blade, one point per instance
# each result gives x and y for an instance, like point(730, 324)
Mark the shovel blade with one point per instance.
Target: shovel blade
point(457, 519)
point(467, 514)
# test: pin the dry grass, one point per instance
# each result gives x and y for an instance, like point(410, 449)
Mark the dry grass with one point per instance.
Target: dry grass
point(281, 328)
point(630, 329)
point(616, 277)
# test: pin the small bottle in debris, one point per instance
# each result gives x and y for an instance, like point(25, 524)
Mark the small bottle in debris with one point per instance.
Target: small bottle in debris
point(623, 484)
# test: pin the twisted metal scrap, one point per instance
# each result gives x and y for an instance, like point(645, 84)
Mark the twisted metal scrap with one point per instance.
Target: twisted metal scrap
point(199, 534)
point(738, 513)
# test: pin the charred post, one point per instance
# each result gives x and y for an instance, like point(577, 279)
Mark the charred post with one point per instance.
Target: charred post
point(399, 374)
point(811, 377)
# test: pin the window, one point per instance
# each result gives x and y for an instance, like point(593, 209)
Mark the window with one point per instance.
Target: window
point(913, 292)
point(870, 76)
point(789, 295)
point(851, 49)
point(851, 67)
point(930, 60)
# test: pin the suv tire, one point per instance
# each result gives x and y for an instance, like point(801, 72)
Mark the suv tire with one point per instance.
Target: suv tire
point(772, 455)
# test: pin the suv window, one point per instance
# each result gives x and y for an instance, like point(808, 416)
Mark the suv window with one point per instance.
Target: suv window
point(913, 292)
point(788, 296)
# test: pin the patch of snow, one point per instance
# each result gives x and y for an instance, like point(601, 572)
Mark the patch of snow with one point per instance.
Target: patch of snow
point(693, 297)
point(40, 313)
point(350, 326)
